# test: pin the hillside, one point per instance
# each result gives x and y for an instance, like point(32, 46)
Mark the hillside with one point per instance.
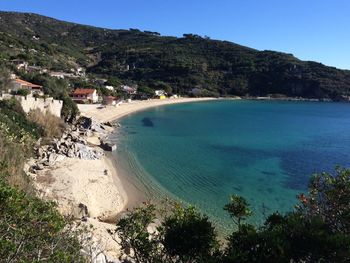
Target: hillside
point(154, 61)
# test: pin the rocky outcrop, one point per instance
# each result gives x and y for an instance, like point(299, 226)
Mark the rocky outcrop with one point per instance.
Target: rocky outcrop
point(72, 144)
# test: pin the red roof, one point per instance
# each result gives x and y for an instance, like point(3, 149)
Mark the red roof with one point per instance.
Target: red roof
point(28, 84)
point(83, 91)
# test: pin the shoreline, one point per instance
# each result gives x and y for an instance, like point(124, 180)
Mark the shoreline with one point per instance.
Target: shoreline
point(104, 186)
point(135, 193)
point(114, 113)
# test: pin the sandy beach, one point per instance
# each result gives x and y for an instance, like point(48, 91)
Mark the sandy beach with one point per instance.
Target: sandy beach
point(99, 185)
point(111, 113)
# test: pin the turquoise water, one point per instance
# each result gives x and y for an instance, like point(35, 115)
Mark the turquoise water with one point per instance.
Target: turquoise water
point(265, 151)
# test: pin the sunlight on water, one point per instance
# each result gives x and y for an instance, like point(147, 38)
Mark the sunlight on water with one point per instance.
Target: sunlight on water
point(264, 151)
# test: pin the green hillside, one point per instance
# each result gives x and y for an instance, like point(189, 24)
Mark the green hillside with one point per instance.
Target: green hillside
point(150, 60)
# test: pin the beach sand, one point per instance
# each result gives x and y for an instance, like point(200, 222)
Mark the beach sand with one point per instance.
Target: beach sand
point(105, 194)
point(111, 113)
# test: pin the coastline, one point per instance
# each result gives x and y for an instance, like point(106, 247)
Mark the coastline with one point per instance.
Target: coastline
point(114, 113)
point(134, 191)
point(102, 186)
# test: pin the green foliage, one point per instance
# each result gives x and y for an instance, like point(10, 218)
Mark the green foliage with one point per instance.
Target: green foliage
point(328, 198)
point(316, 232)
point(183, 236)
point(133, 234)
point(22, 92)
point(238, 208)
point(220, 68)
point(4, 78)
point(14, 122)
point(188, 235)
point(31, 230)
point(69, 110)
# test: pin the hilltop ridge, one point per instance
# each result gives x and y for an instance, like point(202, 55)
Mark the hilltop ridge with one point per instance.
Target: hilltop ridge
point(217, 68)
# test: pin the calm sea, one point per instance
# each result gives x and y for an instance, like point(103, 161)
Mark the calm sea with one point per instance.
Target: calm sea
point(265, 151)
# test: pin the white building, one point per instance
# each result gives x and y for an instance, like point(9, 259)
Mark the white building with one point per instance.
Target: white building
point(129, 90)
point(18, 84)
point(109, 87)
point(85, 95)
point(159, 92)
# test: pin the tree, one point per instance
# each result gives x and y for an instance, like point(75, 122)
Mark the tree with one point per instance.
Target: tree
point(4, 78)
point(32, 230)
point(69, 110)
point(329, 198)
point(182, 236)
point(135, 239)
point(238, 208)
point(188, 235)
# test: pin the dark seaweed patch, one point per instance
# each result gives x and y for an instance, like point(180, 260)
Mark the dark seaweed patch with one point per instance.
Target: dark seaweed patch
point(147, 122)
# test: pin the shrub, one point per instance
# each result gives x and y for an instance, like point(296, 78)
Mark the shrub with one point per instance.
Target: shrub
point(69, 110)
point(51, 126)
point(22, 92)
point(32, 230)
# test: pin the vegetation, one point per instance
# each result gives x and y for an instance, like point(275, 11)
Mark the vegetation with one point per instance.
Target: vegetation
point(317, 231)
point(4, 78)
point(218, 68)
point(50, 125)
point(31, 229)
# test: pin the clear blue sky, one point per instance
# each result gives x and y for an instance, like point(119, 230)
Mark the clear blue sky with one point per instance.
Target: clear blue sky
point(310, 29)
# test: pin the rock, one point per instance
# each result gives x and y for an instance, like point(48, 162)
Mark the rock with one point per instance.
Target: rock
point(52, 159)
point(83, 210)
point(38, 166)
point(71, 153)
point(108, 146)
point(109, 124)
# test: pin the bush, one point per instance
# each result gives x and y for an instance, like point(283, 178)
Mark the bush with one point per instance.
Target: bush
point(32, 230)
point(69, 110)
point(51, 126)
point(184, 235)
point(22, 92)
point(318, 231)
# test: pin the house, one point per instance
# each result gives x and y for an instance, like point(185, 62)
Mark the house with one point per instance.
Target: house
point(81, 72)
point(36, 69)
point(159, 92)
point(61, 75)
point(85, 95)
point(18, 84)
point(109, 100)
point(109, 87)
point(129, 90)
point(20, 63)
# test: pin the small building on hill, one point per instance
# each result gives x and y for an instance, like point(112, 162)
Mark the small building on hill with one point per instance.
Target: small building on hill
point(19, 84)
point(109, 101)
point(160, 94)
point(20, 63)
point(129, 90)
point(37, 69)
point(85, 95)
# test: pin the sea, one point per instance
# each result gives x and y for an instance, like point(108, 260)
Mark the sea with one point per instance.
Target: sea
point(265, 151)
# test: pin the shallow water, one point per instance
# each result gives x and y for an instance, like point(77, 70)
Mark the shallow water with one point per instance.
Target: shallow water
point(265, 151)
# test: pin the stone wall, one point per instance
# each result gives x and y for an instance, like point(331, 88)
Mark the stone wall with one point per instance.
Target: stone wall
point(45, 105)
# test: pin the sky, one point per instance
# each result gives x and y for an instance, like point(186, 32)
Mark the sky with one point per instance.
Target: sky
point(317, 30)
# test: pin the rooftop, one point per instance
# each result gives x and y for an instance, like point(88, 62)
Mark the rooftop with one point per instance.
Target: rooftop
point(26, 83)
point(81, 91)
